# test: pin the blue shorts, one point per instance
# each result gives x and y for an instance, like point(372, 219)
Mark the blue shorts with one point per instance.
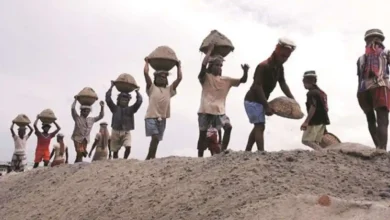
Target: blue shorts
point(153, 126)
point(255, 112)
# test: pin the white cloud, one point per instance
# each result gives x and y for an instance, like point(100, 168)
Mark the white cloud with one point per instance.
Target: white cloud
point(51, 51)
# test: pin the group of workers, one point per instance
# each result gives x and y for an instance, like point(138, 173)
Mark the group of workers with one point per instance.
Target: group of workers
point(373, 97)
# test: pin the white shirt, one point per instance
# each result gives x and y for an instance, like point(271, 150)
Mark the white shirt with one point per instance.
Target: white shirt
point(56, 148)
point(20, 143)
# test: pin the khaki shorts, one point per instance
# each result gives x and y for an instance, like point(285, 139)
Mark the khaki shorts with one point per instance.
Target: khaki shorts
point(313, 133)
point(119, 139)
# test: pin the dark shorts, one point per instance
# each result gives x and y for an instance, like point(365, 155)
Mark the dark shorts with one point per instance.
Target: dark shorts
point(154, 126)
point(374, 98)
point(205, 121)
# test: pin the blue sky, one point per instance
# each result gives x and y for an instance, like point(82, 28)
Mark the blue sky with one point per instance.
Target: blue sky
point(51, 50)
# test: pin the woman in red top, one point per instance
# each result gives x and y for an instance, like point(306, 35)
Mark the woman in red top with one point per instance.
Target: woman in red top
point(42, 151)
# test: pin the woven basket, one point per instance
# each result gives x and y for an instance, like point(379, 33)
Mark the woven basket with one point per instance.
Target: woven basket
point(223, 46)
point(163, 58)
point(286, 107)
point(329, 139)
point(125, 83)
point(87, 96)
point(47, 116)
point(21, 120)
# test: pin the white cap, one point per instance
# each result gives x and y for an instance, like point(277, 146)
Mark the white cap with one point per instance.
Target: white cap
point(285, 42)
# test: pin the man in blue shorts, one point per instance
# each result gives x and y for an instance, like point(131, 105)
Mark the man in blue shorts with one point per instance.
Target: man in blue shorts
point(267, 74)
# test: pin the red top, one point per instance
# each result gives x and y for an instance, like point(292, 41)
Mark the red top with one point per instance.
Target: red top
point(44, 141)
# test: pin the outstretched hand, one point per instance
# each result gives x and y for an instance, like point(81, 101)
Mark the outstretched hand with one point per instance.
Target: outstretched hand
point(245, 67)
point(178, 64)
point(101, 103)
point(146, 59)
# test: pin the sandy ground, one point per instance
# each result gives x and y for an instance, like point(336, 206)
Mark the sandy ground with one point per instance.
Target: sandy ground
point(235, 185)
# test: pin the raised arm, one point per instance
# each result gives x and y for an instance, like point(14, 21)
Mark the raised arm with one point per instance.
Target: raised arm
point(73, 109)
point(245, 69)
point(37, 132)
point(58, 128)
point(179, 77)
point(205, 61)
point(12, 129)
point(101, 113)
point(138, 102)
point(284, 87)
point(31, 130)
point(148, 80)
point(111, 105)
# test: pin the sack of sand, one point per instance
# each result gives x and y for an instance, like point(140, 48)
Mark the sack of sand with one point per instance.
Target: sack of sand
point(223, 46)
point(286, 107)
point(47, 116)
point(163, 58)
point(329, 139)
point(21, 120)
point(87, 96)
point(125, 83)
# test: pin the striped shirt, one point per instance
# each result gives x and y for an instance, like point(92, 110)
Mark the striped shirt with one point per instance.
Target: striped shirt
point(366, 83)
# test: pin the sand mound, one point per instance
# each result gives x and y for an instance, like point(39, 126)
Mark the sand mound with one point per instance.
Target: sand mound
point(236, 185)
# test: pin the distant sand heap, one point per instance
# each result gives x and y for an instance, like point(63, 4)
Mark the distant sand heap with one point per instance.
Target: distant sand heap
point(347, 182)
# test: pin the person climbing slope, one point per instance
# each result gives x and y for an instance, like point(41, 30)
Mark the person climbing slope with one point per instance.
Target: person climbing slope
point(317, 118)
point(59, 149)
point(101, 143)
point(215, 89)
point(373, 86)
point(82, 128)
point(18, 161)
point(42, 152)
point(160, 94)
point(122, 120)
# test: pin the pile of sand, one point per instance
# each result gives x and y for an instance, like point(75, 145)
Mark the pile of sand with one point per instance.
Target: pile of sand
point(236, 185)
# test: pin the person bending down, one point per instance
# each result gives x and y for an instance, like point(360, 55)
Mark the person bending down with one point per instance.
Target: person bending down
point(267, 74)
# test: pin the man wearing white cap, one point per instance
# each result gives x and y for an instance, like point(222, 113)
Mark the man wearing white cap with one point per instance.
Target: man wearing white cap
point(373, 89)
point(317, 117)
point(59, 149)
point(82, 128)
point(267, 74)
